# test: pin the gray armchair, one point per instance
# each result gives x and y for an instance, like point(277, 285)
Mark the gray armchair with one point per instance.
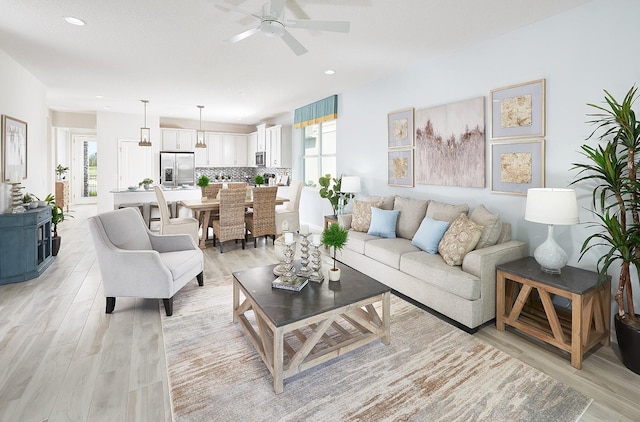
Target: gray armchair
point(137, 263)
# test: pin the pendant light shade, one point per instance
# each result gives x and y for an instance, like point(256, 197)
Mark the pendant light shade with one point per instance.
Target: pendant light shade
point(200, 133)
point(145, 132)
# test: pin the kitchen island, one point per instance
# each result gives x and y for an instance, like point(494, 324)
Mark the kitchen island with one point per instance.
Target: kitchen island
point(146, 197)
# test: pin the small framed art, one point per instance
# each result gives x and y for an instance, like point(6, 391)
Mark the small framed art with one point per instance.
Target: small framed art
point(400, 129)
point(517, 166)
point(400, 167)
point(518, 111)
point(14, 149)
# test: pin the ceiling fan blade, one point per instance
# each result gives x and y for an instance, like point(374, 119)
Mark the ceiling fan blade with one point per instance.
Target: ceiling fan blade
point(227, 7)
point(293, 44)
point(296, 10)
point(333, 26)
point(241, 36)
point(277, 6)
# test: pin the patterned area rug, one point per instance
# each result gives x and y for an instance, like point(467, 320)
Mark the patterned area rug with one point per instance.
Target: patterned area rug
point(431, 371)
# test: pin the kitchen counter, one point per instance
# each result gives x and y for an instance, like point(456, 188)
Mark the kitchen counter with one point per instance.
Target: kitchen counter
point(145, 197)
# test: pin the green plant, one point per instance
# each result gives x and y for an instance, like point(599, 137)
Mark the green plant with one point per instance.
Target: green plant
point(203, 181)
point(27, 198)
point(332, 191)
point(57, 214)
point(61, 170)
point(145, 181)
point(258, 180)
point(336, 237)
point(611, 170)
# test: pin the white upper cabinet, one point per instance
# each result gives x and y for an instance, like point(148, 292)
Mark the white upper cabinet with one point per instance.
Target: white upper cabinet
point(252, 148)
point(234, 150)
point(278, 143)
point(178, 139)
point(261, 137)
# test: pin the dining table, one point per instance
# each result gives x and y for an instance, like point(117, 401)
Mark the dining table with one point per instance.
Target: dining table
point(203, 210)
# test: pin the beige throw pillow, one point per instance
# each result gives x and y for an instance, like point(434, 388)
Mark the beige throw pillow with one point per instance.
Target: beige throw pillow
point(446, 212)
point(361, 216)
point(459, 239)
point(492, 226)
point(387, 201)
point(412, 212)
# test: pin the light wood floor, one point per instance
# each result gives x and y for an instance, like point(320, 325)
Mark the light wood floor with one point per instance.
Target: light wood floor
point(63, 359)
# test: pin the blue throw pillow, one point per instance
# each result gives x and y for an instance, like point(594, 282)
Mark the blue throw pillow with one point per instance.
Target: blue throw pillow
point(383, 222)
point(429, 234)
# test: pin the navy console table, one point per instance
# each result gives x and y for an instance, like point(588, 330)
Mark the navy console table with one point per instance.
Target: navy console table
point(25, 244)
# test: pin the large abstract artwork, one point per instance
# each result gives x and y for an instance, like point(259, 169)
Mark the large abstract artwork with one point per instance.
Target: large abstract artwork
point(450, 144)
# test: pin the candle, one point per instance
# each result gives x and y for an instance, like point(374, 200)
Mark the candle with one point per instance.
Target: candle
point(317, 239)
point(288, 238)
point(14, 176)
point(304, 229)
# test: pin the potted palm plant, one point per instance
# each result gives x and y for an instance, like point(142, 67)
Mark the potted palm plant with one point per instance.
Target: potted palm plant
point(57, 217)
point(611, 171)
point(334, 236)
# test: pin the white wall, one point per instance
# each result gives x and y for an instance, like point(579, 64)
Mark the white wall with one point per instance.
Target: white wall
point(579, 52)
point(23, 97)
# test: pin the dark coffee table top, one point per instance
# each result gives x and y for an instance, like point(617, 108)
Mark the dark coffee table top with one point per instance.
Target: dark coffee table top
point(284, 307)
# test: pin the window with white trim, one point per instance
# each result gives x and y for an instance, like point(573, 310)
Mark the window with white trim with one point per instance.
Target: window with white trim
point(319, 151)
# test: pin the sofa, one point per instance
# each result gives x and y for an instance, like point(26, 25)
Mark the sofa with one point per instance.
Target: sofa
point(436, 254)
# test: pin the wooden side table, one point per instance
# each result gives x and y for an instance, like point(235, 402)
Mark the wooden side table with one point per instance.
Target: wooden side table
point(330, 219)
point(524, 301)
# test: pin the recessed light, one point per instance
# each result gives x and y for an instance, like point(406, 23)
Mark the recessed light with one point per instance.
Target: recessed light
point(99, 96)
point(329, 72)
point(74, 21)
point(107, 108)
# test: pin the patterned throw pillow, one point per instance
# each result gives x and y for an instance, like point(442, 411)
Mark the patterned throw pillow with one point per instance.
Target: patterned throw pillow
point(459, 239)
point(361, 219)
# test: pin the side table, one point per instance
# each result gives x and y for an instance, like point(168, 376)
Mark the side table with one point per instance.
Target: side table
point(525, 301)
point(330, 219)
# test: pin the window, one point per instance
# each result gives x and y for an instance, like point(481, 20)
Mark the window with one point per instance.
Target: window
point(319, 151)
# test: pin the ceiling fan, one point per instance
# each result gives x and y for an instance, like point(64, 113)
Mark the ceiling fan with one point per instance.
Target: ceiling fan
point(273, 24)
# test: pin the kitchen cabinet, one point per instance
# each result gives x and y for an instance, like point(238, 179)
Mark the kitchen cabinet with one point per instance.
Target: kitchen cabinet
point(178, 139)
point(261, 133)
point(234, 150)
point(25, 244)
point(252, 148)
point(278, 143)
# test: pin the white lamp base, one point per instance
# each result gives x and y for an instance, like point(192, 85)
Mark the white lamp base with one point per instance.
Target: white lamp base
point(550, 255)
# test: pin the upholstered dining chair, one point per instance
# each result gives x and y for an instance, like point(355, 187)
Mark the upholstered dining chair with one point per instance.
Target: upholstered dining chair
point(134, 262)
point(262, 221)
point(179, 225)
point(230, 223)
point(290, 211)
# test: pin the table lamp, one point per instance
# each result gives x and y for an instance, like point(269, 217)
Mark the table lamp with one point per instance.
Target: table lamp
point(551, 206)
point(350, 184)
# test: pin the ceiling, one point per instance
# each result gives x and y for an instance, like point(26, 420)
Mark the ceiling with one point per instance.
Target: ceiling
point(173, 53)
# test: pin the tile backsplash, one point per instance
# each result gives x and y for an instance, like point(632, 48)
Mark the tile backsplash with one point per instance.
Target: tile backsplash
point(239, 174)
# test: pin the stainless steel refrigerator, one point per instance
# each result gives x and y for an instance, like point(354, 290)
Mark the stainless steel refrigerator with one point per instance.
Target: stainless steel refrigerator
point(177, 168)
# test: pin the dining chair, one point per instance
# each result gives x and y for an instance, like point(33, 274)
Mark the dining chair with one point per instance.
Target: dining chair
point(237, 185)
point(180, 225)
point(230, 223)
point(211, 193)
point(290, 211)
point(134, 262)
point(262, 221)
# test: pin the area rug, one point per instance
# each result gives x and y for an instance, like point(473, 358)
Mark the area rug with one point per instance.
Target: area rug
point(431, 371)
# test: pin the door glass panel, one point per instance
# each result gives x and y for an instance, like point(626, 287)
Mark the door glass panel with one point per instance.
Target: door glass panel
point(90, 172)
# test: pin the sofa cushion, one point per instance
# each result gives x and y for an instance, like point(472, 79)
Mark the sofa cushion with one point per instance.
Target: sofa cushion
point(362, 214)
point(180, 262)
point(383, 222)
point(356, 241)
point(433, 270)
point(388, 251)
point(459, 239)
point(446, 212)
point(387, 201)
point(491, 226)
point(412, 211)
point(429, 234)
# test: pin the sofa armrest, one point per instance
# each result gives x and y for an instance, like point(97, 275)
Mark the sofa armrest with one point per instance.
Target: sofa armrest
point(344, 221)
point(482, 262)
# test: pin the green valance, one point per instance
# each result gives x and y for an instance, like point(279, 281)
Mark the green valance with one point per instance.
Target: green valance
point(317, 112)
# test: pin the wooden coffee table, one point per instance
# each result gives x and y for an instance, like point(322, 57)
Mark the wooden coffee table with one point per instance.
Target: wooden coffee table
point(295, 331)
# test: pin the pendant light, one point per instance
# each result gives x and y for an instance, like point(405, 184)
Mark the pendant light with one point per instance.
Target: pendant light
point(200, 133)
point(145, 132)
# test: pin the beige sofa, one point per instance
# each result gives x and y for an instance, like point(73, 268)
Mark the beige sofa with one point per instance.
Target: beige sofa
point(464, 293)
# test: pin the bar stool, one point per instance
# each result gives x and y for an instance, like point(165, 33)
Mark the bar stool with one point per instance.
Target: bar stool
point(152, 206)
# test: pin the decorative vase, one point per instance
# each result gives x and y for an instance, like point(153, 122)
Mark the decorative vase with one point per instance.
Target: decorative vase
point(280, 246)
point(146, 187)
point(334, 274)
point(629, 344)
point(55, 245)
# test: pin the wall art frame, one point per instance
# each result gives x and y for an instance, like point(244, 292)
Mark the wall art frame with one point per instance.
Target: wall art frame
point(400, 167)
point(517, 166)
point(14, 149)
point(400, 128)
point(518, 111)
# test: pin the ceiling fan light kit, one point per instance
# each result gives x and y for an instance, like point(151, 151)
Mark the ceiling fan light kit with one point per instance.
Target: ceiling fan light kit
point(272, 24)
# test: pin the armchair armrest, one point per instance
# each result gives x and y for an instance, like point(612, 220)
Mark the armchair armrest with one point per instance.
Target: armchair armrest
point(172, 242)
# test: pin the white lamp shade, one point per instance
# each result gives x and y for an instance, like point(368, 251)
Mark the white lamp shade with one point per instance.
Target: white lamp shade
point(350, 184)
point(552, 206)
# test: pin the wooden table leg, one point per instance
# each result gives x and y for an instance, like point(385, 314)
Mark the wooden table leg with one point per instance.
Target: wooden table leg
point(576, 331)
point(278, 360)
point(205, 228)
point(386, 317)
point(236, 299)
point(500, 308)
